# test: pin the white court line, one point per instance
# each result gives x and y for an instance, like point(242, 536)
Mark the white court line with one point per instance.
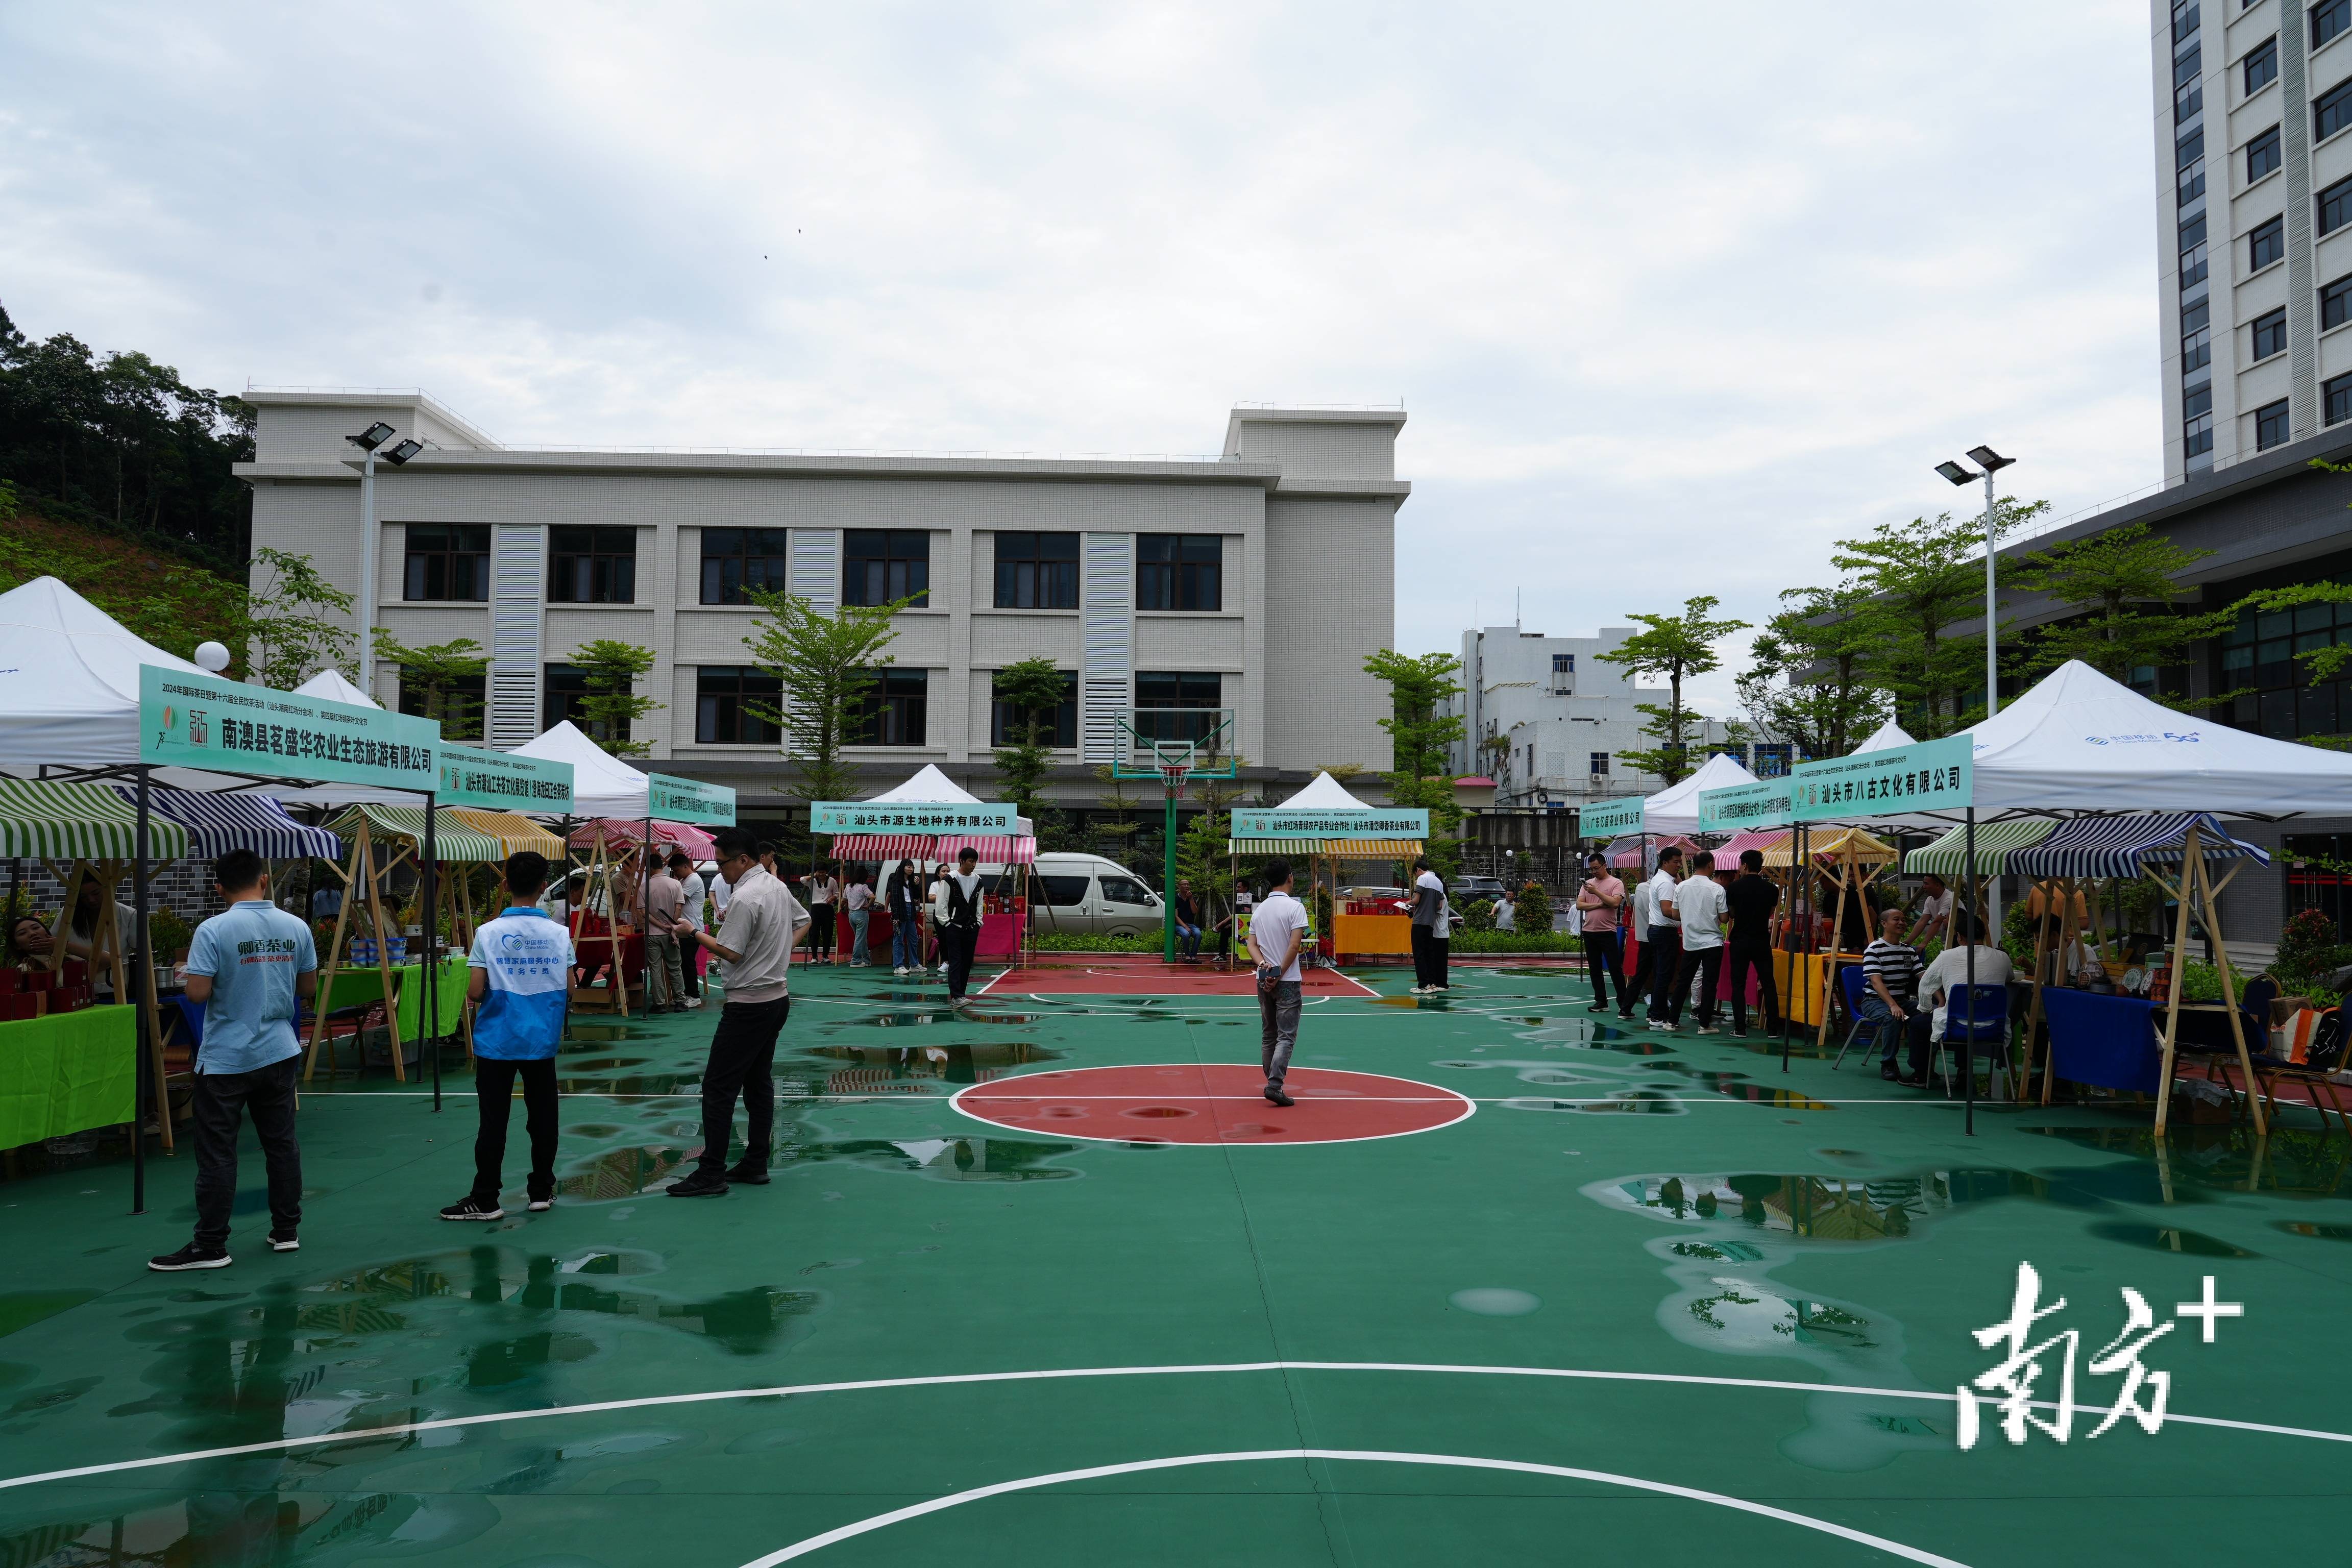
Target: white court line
point(1607, 1478)
point(372, 1434)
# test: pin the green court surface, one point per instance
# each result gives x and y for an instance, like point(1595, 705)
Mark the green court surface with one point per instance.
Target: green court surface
point(1651, 1302)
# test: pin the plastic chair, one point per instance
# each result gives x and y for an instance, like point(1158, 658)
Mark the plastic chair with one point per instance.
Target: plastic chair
point(1977, 1015)
point(1854, 983)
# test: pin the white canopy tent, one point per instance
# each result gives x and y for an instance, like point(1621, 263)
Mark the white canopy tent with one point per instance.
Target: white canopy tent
point(1886, 737)
point(928, 787)
point(1324, 794)
point(1674, 809)
point(330, 685)
point(2079, 742)
point(70, 680)
point(602, 784)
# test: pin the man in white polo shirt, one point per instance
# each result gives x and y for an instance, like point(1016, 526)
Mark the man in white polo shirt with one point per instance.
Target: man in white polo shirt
point(764, 923)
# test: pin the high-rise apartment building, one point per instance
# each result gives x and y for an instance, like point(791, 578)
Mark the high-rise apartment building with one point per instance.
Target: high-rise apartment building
point(2253, 102)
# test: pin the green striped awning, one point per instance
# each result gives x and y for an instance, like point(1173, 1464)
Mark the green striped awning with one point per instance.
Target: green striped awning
point(81, 822)
point(452, 840)
point(1995, 840)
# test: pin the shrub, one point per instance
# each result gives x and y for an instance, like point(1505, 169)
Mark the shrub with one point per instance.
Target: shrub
point(1479, 916)
point(2307, 951)
point(1077, 942)
point(1515, 942)
point(1534, 910)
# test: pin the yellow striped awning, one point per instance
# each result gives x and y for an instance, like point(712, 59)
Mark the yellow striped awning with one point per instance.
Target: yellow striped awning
point(451, 840)
point(1343, 849)
point(515, 831)
point(1830, 846)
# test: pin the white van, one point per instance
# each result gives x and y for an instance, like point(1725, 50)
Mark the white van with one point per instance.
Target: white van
point(1091, 896)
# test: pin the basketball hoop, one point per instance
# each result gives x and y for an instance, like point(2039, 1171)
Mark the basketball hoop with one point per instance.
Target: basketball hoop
point(1173, 775)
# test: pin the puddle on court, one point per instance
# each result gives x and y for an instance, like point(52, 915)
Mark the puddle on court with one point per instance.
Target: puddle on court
point(619, 1173)
point(603, 1034)
point(2168, 1238)
point(633, 1086)
point(2318, 1232)
point(868, 1070)
point(2189, 1160)
point(938, 1159)
point(919, 1018)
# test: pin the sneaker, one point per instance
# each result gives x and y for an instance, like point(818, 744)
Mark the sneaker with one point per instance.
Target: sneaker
point(1662, 1028)
point(702, 1185)
point(1708, 1029)
point(696, 1003)
point(749, 1172)
point(1274, 1092)
point(541, 1205)
point(899, 972)
point(285, 1241)
point(192, 1255)
point(1886, 1070)
point(474, 1208)
point(1418, 991)
point(1598, 1008)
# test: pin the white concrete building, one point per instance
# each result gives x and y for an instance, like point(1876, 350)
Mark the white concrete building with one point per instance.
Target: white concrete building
point(1564, 716)
point(2252, 104)
point(1252, 583)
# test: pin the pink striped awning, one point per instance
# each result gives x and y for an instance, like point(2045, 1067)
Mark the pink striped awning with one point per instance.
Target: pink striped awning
point(886, 848)
point(626, 832)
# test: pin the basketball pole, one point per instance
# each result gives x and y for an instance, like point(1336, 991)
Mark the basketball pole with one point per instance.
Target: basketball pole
point(1171, 779)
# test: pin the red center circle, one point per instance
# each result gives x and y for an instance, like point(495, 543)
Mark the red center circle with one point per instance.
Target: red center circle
point(1211, 1102)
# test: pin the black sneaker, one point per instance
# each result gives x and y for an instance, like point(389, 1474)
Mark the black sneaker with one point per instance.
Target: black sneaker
point(192, 1255)
point(474, 1208)
point(702, 1185)
point(1886, 1070)
point(1598, 1008)
point(749, 1172)
point(1273, 1093)
point(285, 1241)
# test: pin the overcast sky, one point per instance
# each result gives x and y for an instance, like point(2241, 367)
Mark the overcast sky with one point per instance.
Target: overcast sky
point(1673, 296)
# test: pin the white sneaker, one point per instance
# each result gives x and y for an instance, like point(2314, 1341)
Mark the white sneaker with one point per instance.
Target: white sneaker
point(1708, 1029)
point(899, 972)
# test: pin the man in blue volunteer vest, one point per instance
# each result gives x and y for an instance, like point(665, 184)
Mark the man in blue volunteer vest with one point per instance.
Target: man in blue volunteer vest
point(246, 964)
point(519, 978)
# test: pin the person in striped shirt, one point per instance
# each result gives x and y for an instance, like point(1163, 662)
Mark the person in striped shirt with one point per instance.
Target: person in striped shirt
point(1890, 971)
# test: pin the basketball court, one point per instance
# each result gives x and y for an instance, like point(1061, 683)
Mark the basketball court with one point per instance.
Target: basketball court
point(1045, 1282)
point(1147, 975)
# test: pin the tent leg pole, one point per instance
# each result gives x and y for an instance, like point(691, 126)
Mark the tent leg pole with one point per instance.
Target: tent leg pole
point(2172, 1001)
point(144, 1033)
point(428, 1028)
point(1976, 912)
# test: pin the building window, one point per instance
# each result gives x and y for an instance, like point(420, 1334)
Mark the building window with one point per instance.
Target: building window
point(2184, 20)
point(592, 565)
point(2266, 244)
point(2331, 111)
point(2188, 83)
point(734, 559)
point(2192, 252)
point(1007, 725)
point(2276, 697)
point(1773, 759)
point(1037, 571)
point(2197, 420)
point(2261, 66)
point(2336, 400)
point(563, 687)
point(2196, 350)
point(1180, 572)
point(2336, 303)
point(2312, 880)
point(2270, 426)
point(724, 696)
point(1598, 766)
point(2263, 154)
point(2336, 203)
point(458, 704)
point(2329, 19)
point(880, 565)
point(891, 712)
point(1177, 705)
point(447, 561)
point(2270, 333)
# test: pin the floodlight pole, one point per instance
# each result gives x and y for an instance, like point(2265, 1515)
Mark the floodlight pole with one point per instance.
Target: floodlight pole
point(367, 574)
point(1992, 656)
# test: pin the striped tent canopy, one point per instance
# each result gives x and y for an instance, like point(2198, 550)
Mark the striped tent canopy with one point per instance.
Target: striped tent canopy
point(80, 822)
point(1830, 844)
point(2116, 846)
point(1338, 848)
point(1642, 849)
point(218, 823)
point(887, 848)
point(1996, 842)
point(452, 841)
point(624, 832)
point(1763, 840)
point(515, 832)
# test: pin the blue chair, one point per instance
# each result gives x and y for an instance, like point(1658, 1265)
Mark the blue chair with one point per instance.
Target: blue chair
point(1856, 984)
point(1975, 1017)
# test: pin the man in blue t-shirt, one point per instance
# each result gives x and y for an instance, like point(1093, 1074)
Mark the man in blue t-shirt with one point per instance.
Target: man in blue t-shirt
point(247, 966)
point(520, 979)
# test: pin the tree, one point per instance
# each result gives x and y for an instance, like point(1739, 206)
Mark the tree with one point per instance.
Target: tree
point(1123, 828)
point(610, 669)
point(1674, 647)
point(441, 678)
point(2120, 586)
point(1201, 853)
point(1803, 684)
point(828, 663)
point(288, 639)
point(1421, 738)
point(1913, 581)
point(1032, 689)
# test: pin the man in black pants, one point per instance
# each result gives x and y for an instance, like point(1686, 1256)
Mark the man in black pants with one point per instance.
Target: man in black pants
point(1598, 899)
point(764, 923)
point(956, 914)
point(519, 978)
point(1661, 945)
point(1752, 898)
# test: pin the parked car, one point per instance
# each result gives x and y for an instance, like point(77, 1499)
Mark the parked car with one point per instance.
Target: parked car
point(1091, 896)
point(1468, 890)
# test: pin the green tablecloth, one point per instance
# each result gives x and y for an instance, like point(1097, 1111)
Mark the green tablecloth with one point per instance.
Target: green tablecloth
point(450, 1001)
point(67, 1073)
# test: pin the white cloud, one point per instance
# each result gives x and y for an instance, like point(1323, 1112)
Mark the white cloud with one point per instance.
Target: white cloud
point(1673, 299)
